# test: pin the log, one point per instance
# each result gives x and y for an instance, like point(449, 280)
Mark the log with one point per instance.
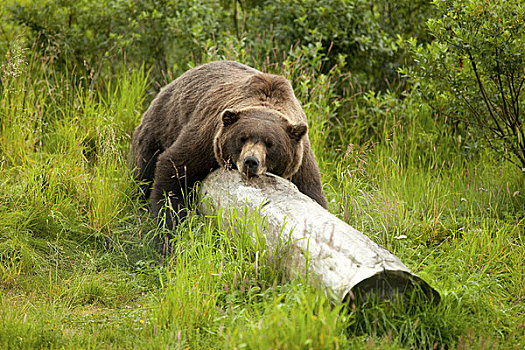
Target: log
point(336, 257)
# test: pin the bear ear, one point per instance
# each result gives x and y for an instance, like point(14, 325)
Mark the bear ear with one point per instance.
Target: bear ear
point(229, 116)
point(297, 131)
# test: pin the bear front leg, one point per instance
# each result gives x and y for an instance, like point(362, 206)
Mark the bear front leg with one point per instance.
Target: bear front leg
point(145, 152)
point(167, 196)
point(308, 178)
point(177, 171)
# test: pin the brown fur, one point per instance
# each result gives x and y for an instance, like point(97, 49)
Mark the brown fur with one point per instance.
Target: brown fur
point(197, 123)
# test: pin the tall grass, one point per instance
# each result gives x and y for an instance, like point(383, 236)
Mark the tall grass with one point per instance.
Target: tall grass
point(79, 266)
point(63, 159)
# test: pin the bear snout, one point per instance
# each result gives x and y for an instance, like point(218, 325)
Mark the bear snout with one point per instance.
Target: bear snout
point(252, 160)
point(251, 164)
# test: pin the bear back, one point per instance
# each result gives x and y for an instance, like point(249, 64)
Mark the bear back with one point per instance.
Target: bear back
point(214, 87)
point(202, 94)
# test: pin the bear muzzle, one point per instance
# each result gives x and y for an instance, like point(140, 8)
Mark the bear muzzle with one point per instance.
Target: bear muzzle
point(252, 159)
point(251, 164)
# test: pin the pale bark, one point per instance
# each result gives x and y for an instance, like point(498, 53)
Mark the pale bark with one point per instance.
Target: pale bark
point(311, 241)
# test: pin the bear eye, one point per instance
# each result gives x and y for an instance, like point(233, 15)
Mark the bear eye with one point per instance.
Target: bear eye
point(269, 144)
point(243, 139)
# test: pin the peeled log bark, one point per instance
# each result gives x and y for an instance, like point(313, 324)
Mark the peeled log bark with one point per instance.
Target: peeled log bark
point(344, 262)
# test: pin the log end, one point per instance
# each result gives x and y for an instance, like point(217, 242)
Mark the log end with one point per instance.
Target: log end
point(392, 285)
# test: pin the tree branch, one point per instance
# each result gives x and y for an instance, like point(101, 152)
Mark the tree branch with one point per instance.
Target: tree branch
point(506, 114)
point(483, 93)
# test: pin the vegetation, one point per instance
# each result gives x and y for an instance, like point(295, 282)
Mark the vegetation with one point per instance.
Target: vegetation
point(476, 62)
point(402, 158)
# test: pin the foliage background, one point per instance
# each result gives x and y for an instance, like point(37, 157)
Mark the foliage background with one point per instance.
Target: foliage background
point(400, 127)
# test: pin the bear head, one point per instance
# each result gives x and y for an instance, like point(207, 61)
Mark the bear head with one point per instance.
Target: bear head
point(256, 140)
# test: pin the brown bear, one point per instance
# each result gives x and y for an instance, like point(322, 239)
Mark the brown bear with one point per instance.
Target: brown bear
point(221, 114)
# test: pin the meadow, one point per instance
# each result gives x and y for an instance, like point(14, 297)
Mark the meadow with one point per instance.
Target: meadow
point(79, 260)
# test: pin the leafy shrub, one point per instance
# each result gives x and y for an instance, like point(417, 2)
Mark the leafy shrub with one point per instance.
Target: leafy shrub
point(404, 18)
point(168, 36)
point(474, 70)
point(346, 29)
point(102, 37)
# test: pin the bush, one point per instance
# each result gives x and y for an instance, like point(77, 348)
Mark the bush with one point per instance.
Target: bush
point(102, 37)
point(474, 70)
point(346, 29)
point(168, 36)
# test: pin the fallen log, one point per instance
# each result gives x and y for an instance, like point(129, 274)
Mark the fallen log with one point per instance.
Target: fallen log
point(336, 257)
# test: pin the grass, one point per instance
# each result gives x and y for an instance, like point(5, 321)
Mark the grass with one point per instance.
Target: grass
point(79, 261)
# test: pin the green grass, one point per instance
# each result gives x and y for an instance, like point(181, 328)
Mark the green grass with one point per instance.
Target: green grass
point(78, 251)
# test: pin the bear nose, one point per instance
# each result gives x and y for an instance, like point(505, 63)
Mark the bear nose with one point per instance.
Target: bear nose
point(251, 164)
